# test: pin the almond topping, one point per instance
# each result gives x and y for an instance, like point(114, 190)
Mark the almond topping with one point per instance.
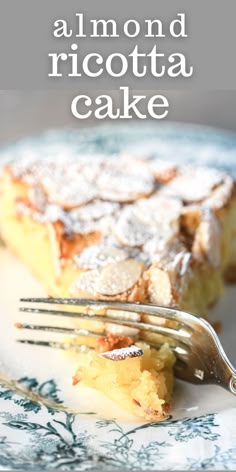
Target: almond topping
point(207, 240)
point(124, 185)
point(98, 256)
point(119, 277)
point(160, 290)
point(85, 283)
point(123, 353)
point(193, 185)
point(221, 195)
point(93, 211)
point(164, 171)
point(158, 209)
point(130, 230)
point(67, 195)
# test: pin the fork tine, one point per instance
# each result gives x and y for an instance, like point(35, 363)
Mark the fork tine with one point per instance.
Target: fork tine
point(55, 345)
point(83, 332)
point(59, 330)
point(200, 356)
point(146, 308)
point(180, 334)
point(179, 351)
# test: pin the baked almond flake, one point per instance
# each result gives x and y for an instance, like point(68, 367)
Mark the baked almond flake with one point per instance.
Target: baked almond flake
point(221, 195)
point(85, 283)
point(122, 183)
point(97, 256)
point(160, 287)
point(159, 210)
point(207, 242)
point(130, 230)
point(194, 184)
point(118, 278)
point(123, 353)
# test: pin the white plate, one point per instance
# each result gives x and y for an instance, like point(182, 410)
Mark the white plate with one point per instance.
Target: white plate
point(94, 433)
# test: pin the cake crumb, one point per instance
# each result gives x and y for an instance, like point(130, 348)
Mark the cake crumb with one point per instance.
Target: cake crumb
point(113, 341)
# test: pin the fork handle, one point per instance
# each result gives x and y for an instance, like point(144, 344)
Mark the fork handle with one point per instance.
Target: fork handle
point(232, 384)
point(225, 375)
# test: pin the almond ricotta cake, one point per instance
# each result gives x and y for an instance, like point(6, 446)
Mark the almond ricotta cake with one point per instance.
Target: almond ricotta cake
point(120, 228)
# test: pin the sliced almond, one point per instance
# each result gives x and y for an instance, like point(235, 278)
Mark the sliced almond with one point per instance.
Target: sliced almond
point(159, 244)
point(85, 283)
point(99, 256)
point(123, 353)
point(118, 278)
point(181, 273)
point(159, 210)
point(130, 230)
point(221, 195)
point(97, 216)
point(170, 273)
point(69, 194)
point(93, 211)
point(67, 182)
point(124, 182)
point(160, 287)
point(167, 258)
point(164, 171)
point(207, 242)
point(193, 185)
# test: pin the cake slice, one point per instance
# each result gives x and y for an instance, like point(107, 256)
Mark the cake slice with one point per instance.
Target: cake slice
point(123, 229)
point(137, 377)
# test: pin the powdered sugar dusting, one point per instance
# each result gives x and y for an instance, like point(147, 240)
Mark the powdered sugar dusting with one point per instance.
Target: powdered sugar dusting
point(159, 210)
point(119, 277)
point(207, 242)
point(193, 185)
point(220, 196)
point(99, 255)
point(130, 230)
point(134, 207)
point(85, 283)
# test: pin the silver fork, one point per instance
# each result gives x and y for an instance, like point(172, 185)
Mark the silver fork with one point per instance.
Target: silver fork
point(199, 353)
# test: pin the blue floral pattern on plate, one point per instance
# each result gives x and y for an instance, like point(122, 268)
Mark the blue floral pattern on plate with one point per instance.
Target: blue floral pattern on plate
point(56, 440)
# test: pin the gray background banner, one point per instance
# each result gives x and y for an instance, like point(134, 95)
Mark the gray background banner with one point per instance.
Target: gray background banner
point(26, 38)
